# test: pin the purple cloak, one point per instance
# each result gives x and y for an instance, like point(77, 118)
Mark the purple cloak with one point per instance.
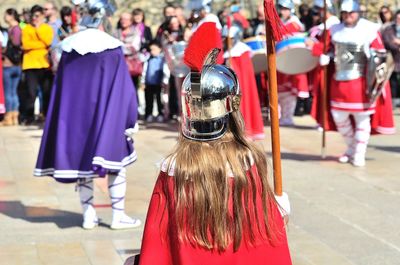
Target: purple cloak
point(93, 102)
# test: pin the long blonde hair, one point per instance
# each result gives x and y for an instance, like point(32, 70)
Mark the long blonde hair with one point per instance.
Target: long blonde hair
point(202, 190)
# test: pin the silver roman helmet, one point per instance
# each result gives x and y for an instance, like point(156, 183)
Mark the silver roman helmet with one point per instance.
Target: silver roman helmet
point(208, 97)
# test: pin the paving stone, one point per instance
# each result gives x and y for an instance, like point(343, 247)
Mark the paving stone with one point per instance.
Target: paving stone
point(102, 252)
point(341, 215)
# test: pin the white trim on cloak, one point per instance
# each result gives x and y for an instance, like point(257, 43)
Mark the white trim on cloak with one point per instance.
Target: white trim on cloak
point(90, 41)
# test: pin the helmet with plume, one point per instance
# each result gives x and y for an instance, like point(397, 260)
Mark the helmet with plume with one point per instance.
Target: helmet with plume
point(210, 92)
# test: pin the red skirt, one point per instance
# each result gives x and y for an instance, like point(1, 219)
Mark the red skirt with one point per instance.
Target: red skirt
point(250, 102)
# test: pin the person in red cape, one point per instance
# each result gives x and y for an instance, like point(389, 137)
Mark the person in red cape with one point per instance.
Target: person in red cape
point(354, 42)
point(240, 58)
point(290, 86)
point(203, 209)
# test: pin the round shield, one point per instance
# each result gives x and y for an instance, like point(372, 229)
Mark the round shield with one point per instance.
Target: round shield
point(292, 56)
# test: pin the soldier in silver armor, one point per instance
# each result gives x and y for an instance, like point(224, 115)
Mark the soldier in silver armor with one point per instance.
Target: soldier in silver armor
point(360, 76)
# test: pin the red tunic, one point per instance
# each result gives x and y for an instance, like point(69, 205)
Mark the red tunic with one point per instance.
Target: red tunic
point(161, 246)
point(316, 108)
point(2, 101)
point(250, 102)
point(295, 84)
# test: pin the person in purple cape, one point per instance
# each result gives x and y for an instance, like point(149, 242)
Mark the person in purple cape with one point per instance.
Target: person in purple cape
point(92, 112)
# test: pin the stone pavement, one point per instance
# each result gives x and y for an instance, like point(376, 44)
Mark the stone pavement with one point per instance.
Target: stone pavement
point(341, 215)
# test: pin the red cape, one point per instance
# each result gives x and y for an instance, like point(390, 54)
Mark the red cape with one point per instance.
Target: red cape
point(161, 245)
point(381, 121)
point(250, 103)
point(316, 109)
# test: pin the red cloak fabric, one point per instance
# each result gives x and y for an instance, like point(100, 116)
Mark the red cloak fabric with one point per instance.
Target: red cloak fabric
point(161, 245)
point(382, 121)
point(250, 103)
point(316, 109)
point(296, 84)
point(2, 101)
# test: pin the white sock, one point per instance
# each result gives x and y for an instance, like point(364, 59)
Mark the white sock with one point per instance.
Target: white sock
point(363, 131)
point(344, 127)
point(287, 102)
point(117, 190)
point(85, 188)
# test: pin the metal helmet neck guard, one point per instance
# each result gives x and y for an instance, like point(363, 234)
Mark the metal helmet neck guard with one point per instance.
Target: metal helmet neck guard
point(207, 99)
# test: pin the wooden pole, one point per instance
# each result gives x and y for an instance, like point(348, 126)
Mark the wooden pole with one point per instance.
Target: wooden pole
point(273, 105)
point(324, 85)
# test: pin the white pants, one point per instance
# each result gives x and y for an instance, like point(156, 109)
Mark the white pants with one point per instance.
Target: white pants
point(287, 102)
point(116, 188)
point(356, 138)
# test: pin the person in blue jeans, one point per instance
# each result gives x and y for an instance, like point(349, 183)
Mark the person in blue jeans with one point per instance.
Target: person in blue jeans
point(12, 56)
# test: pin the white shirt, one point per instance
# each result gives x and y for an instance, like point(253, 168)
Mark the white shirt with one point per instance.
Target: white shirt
point(363, 33)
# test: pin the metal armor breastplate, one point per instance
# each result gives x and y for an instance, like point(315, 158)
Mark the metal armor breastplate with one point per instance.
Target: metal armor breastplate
point(350, 61)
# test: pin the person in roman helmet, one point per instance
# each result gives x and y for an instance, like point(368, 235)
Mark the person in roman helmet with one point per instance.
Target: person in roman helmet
point(212, 203)
point(239, 58)
point(359, 98)
point(290, 86)
point(93, 109)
